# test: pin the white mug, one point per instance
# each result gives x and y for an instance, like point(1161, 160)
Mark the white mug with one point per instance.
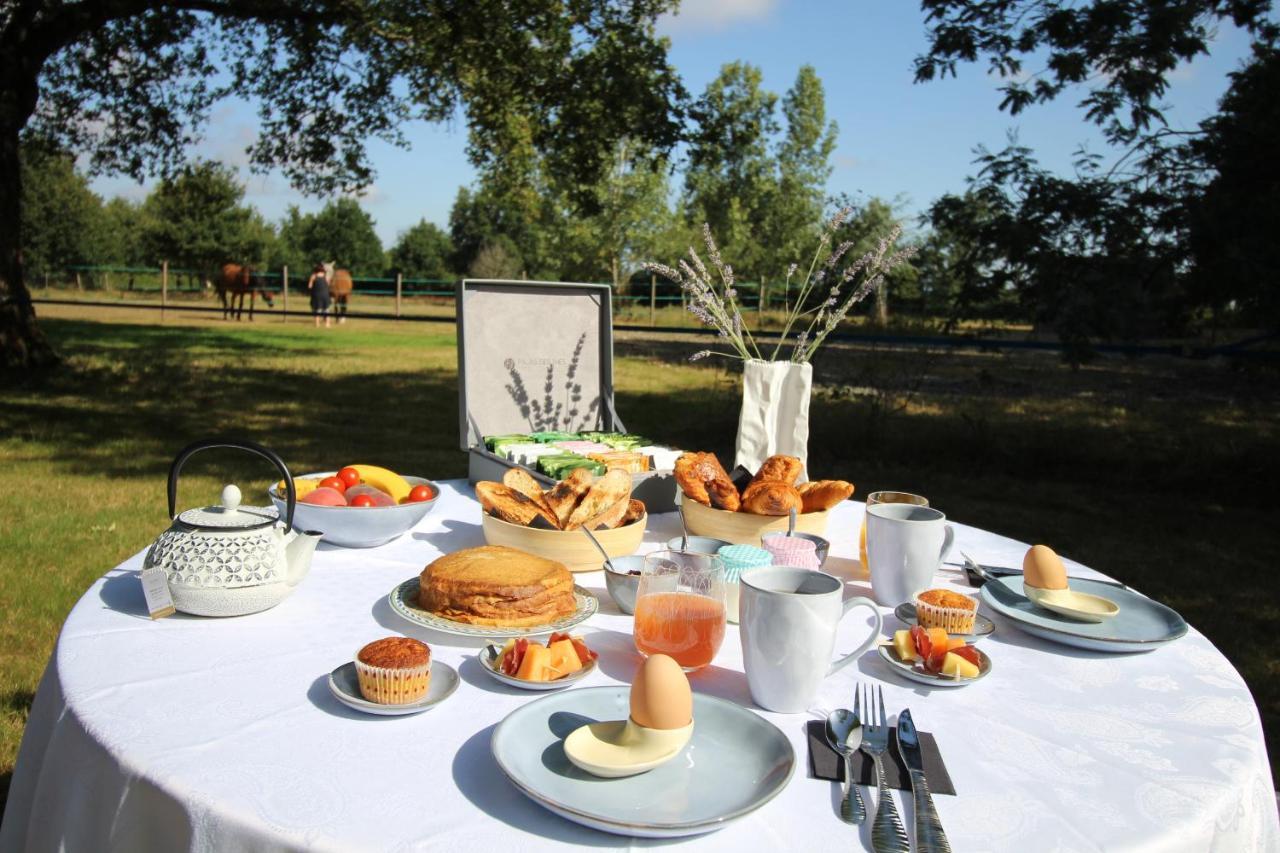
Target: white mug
point(905, 547)
point(788, 618)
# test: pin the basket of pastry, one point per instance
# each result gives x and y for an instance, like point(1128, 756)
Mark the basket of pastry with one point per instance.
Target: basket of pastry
point(715, 506)
point(519, 513)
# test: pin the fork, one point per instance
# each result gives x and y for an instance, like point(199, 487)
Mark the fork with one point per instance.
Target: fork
point(888, 835)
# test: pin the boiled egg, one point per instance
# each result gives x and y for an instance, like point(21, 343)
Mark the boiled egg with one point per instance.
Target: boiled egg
point(1043, 569)
point(660, 695)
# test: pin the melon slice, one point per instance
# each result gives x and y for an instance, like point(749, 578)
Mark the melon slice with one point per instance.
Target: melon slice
point(536, 665)
point(564, 658)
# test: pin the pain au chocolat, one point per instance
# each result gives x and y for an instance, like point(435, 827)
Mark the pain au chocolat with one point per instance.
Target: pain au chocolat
point(496, 585)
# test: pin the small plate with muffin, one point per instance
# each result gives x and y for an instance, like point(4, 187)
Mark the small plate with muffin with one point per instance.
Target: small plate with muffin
point(492, 592)
point(954, 612)
point(393, 676)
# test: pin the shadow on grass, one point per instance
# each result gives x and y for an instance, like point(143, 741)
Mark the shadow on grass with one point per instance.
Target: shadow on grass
point(117, 416)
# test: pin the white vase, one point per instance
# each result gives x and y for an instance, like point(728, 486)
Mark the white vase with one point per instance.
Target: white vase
point(775, 412)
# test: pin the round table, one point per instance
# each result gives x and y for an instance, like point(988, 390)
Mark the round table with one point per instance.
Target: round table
point(220, 734)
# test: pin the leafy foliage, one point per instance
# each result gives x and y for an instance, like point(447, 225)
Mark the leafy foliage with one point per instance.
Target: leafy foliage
point(197, 220)
point(63, 216)
point(422, 251)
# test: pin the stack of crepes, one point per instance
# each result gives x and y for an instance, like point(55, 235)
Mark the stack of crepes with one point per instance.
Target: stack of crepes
point(496, 585)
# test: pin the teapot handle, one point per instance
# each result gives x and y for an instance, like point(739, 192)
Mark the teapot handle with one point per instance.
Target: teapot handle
point(236, 444)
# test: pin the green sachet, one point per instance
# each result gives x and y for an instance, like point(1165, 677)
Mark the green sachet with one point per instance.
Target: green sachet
point(548, 437)
point(492, 441)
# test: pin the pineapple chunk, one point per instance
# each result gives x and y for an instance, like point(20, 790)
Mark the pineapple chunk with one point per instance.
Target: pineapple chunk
point(957, 667)
point(903, 645)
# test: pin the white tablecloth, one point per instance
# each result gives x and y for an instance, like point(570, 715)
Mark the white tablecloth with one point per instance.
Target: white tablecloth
point(220, 734)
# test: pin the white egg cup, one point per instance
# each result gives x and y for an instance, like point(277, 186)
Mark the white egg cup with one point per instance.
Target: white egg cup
point(1068, 602)
point(619, 748)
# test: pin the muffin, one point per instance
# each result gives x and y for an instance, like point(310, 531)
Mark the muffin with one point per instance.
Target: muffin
point(953, 612)
point(394, 670)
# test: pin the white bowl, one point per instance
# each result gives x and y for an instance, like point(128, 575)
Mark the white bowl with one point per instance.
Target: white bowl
point(358, 526)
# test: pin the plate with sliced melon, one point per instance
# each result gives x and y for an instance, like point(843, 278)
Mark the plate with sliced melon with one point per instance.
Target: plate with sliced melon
point(529, 665)
point(931, 656)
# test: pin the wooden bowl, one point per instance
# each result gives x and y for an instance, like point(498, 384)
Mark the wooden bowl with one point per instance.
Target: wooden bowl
point(744, 528)
point(571, 547)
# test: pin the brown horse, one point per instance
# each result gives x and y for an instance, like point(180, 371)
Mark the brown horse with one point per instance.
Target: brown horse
point(237, 280)
point(340, 287)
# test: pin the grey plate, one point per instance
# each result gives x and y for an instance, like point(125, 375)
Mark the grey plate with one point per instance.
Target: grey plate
point(488, 658)
point(404, 601)
point(736, 762)
point(912, 672)
point(1140, 626)
point(345, 687)
point(982, 626)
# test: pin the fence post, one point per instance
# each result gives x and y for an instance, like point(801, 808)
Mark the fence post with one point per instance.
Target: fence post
point(284, 291)
point(760, 302)
point(653, 299)
point(106, 280)
point(399, 285)
point(164, 287)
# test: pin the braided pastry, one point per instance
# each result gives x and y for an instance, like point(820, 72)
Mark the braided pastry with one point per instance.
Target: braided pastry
point(779, 469)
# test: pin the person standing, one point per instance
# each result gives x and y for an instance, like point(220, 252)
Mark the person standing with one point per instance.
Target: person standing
point(318, 284)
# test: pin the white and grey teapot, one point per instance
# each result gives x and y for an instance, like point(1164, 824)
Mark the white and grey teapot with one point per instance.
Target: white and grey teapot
point(230, 560)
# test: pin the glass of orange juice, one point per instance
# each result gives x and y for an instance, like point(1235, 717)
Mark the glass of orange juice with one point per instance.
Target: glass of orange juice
point(680, 609)
point(884, 498)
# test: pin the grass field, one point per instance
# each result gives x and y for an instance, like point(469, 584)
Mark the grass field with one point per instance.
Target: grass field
point(1153, 470)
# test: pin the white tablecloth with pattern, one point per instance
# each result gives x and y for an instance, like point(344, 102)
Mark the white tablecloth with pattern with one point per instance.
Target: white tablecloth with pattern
point(220, 734)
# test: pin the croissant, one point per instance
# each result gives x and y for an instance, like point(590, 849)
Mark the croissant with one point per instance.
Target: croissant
point(770, 497)
point(779, 468)
point(823, 494)
point(703, 478)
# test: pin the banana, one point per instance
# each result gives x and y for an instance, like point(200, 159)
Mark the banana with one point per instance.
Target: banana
point(301, 485)
point(388, 481)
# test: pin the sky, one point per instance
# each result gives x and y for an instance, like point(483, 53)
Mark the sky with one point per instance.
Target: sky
point(904, 142)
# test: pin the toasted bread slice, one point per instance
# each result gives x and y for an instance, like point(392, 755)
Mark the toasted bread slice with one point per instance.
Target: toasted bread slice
point(563, 498)
point(610, 518)
point(614, 486)
point(635, 512)
point(520, 480)
point(509, 505)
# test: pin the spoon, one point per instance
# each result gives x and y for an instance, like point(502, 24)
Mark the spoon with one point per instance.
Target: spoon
point(791, 522)
point(600, 548)
point(684, 531)
point(844, 733)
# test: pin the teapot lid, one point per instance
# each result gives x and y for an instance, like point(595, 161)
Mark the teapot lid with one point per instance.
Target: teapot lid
point(230, 515)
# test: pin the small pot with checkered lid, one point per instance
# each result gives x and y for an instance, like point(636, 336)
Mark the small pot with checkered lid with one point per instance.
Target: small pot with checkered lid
point(229, 559)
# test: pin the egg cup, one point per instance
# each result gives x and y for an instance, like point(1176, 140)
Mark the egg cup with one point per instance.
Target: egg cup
point(619, 748)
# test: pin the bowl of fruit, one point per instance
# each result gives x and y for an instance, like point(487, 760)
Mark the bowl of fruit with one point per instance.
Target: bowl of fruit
point(358, 506)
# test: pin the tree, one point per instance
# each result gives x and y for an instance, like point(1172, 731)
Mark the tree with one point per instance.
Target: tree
point(1122, 50)
point(128, 83)
point(863, 229)
point(497, 258)
point(197, 221)
point(341, 231)
point(124, 227)
point(62, 217)
point(804, 165)
point(1234, 217)
point(730, 180)
point(422, 251)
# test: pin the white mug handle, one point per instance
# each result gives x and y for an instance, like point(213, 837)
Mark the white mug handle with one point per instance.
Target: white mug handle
point(947, 541)
point(841, 662)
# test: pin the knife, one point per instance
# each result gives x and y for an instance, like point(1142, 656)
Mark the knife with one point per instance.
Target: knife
point(977, 575)
point(929, 834)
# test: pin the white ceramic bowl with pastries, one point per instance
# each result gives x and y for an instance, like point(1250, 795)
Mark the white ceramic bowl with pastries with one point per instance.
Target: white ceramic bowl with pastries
point(519, 513)
point(714, 506)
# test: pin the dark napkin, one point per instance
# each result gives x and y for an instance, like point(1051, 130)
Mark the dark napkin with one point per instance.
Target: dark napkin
point(826, 763)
